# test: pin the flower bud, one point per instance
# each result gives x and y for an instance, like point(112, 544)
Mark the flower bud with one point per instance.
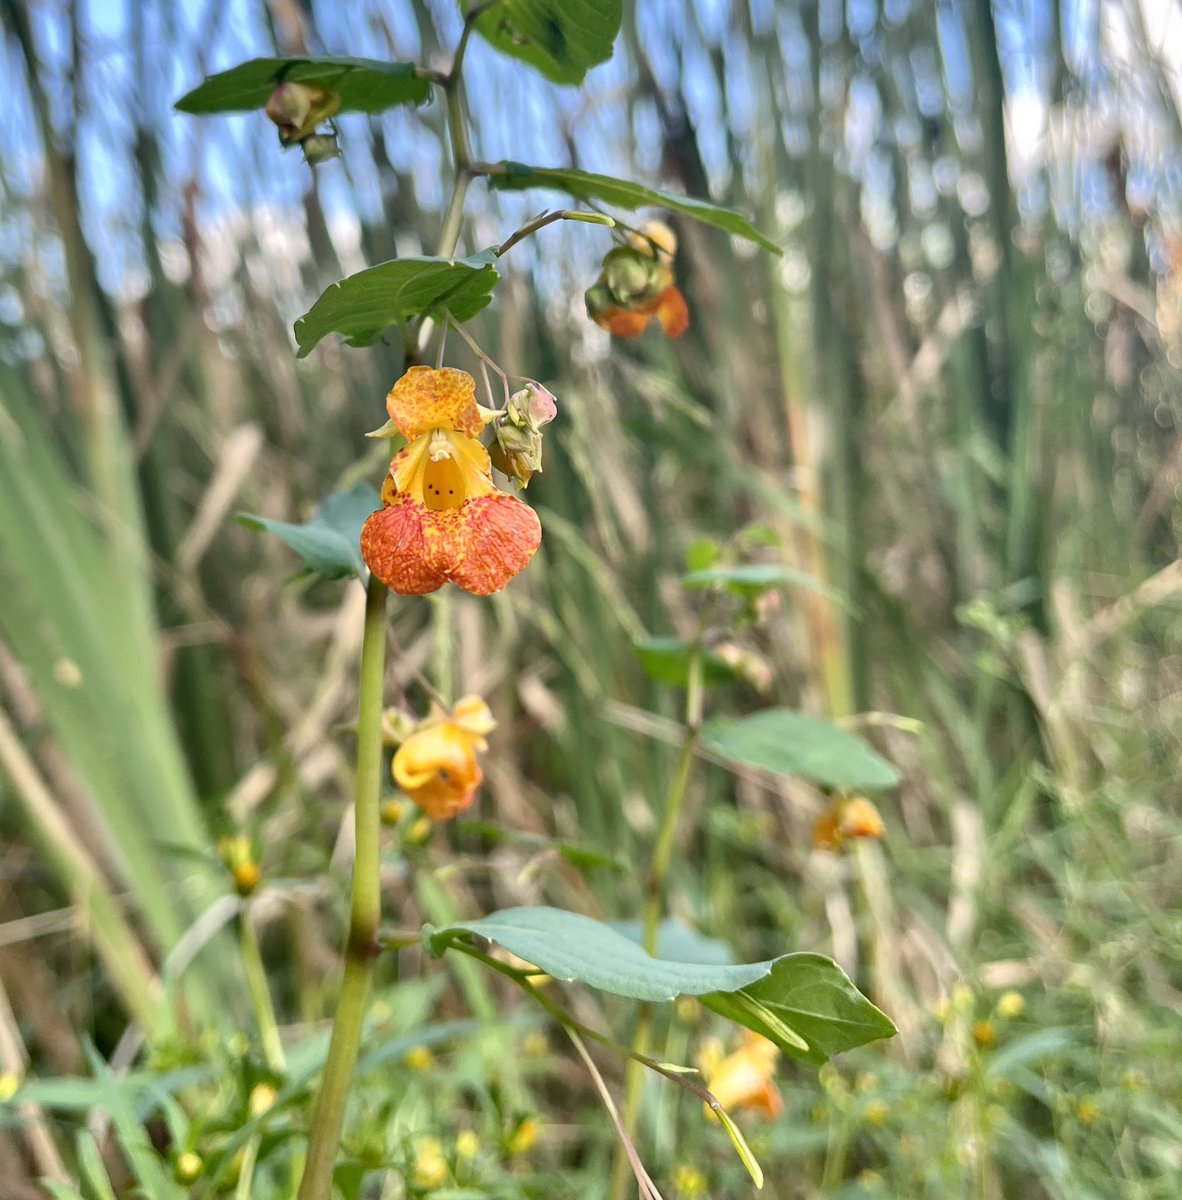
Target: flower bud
point(532, 407)
point(517, 453)
point(598, 301)
point(319, 148)
point(188, 1168)
point(630, 275)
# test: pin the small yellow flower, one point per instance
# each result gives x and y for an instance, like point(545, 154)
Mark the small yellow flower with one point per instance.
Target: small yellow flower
point(689, 1182)
point(1088, 1111)
point(262, 1097)
point(1011, 1004)
point(845, 818)
point(9, 1085)
point(188, 1168)
point(984, 1034)
point(392, 812)
point(419, 1058)
point(877, 1112)
point(436, 766)
point(524, 1137)
point(743, 1079)
point(430, 1167)
point(467, 1144)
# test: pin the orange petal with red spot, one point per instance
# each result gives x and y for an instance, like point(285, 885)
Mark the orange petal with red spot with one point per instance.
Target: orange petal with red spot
point(428, 398)
point(437, 768)
point(673, 312)
point(402, 547)
point(501, 535)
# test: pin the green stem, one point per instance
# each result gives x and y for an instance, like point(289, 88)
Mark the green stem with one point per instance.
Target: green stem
point(654, 903)
point(260, 994)
point(362, 947)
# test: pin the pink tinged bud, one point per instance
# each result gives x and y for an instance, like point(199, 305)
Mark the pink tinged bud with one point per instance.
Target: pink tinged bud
point(532, 407)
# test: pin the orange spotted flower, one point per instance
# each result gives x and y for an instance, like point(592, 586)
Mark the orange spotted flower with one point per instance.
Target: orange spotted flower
point(844, 818)
point(436, 766)
point(443, 520)
point(744, 1078)
point(635, 286)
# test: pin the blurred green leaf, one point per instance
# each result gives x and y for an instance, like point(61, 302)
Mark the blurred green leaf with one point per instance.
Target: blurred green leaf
point(752, 578)
point(329, 543)
point(666, 660)
point(791, 743)
point(363, 84)
point(623, 193)
point(562, 39)
point(702, 553)
point(814, 998)
point(363, 306)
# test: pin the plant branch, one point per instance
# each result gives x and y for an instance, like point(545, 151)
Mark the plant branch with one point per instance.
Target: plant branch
point(362, 946)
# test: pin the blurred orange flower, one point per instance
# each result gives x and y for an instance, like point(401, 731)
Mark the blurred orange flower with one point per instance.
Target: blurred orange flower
point(743, 1079)
point(436, 766)
point(844, 818)
point(443, 520)
point(636, 286)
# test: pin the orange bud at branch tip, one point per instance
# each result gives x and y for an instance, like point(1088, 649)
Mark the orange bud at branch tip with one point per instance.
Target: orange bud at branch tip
point(635, 286)
point(443, 520)
point(436, 766)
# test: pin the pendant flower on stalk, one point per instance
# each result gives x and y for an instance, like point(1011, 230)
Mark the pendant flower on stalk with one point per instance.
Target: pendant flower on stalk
point(443, 520)
point(297, 109)
point(744, 1078)
point(845, 818)
point(436, 765)
point(635, 286)
point(517, 432)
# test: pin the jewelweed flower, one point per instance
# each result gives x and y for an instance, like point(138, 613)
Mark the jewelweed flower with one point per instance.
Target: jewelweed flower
point(436, 766)
point(845, 818)
point(635, 286)
point(297, 108)
point(743, 1079)
point(443, 520)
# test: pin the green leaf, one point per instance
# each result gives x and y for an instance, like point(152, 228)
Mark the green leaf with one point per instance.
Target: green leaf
point(365, 305)
point(791, 743)
point(678, 941)
point(667, 659)
point(572, 947)
point(363, 84)
point(560, 38)
point(814, 998)
point(803, 1002)
point(330, 543)
point(622, 193)
point(748, 579)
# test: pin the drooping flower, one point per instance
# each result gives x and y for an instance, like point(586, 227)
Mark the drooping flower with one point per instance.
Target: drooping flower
point(297, 108)
point(517, 448)
point(636, 286)
point(844, 818)
point(443, 520)
point(744, 1078)
point(436, 765)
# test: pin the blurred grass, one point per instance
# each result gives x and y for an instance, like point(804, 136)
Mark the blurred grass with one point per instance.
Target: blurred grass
point(955, 399)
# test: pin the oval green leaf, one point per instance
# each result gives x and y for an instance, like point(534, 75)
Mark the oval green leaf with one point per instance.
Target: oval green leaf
point(560, 38)
point(330, 543)
point(365, 305)
point(622, 193)
point(791, 743)
point(666, 660)
point(363, 84)
point(804, 1003)
point(814, 999)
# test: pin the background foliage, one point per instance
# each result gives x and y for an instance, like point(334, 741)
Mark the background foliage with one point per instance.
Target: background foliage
point(954, 403)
